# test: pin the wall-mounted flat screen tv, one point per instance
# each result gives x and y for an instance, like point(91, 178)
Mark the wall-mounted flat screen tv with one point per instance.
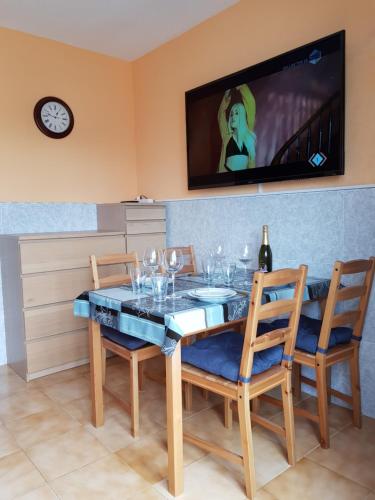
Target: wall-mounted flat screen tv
point(280, 119)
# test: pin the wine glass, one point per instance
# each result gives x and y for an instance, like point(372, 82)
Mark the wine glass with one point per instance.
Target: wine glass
point(173, 262)
point(245, 258)
point(218, 252)
point(152, 259)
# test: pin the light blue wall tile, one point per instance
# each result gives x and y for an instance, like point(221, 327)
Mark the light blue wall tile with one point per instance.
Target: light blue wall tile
point(47, 217)
point(359, 235)
point(367, 357)
point(315, 228)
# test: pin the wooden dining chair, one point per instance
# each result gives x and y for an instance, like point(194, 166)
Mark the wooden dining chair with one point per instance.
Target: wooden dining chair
point(241, 368)
point(127, 347)
point(189, 259)
point(322, 344)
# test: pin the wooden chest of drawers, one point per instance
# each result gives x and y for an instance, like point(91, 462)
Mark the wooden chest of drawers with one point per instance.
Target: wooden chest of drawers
point(143, 225)
point(41, 275)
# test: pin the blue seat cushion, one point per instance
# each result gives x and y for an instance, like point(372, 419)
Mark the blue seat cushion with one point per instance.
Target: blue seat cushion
point(309, 331)
point(221, 355)
point(122, 339)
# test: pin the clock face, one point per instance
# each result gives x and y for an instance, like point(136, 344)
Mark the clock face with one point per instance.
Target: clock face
point(53, 117)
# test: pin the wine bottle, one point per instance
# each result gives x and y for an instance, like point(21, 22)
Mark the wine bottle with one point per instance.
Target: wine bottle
point(265, 253)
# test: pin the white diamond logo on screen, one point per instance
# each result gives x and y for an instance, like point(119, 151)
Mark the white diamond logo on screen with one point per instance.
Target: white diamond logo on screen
point(317, 159)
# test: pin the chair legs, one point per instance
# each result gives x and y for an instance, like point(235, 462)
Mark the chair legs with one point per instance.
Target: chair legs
point(188, 390)
point(321, 387)
point(297, 380)
point(228, 413)
point(134, 395)
point(287, 397)
point(247, 442)
point(104, 363)
point(356, 389)
point(329, 371)
point(140, 375)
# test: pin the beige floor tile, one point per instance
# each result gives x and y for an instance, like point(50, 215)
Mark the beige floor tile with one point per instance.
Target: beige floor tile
point(148, 494)
point(43, 493)
point(208, 478)
point(80, 408)
point(68, 391)
point(59, 377)
point(66, 453)
point(8, 444)
point(338, 416)
point(107, 478)
point(23, 403)
point(310, 481)
point(10, 383)
point(38, 427)
point(116, 431)
point(352, 454)
point(117, 374)
point(307, 432)
point(18, 476)
point(270, 455)
point(149, 458)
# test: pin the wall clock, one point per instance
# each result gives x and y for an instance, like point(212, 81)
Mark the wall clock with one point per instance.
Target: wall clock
point(53, 117)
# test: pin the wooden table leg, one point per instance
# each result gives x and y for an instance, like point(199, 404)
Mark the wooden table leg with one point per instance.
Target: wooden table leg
point(95, 348)
point(174, 423)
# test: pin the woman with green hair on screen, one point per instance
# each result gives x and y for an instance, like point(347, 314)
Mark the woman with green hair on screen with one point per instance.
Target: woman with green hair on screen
point(237, 133)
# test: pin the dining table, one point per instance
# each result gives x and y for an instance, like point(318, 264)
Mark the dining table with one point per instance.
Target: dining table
point(165, 324)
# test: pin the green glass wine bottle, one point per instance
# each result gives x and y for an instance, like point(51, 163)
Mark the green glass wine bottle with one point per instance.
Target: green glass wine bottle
point(265, 253)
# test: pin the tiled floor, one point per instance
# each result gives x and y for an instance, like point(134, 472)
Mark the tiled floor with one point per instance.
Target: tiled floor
point(49, 449)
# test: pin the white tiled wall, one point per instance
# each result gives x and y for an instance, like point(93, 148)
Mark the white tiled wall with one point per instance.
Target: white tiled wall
point(313, 228)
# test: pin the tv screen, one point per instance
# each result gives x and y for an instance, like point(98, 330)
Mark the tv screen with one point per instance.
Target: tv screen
point(280, 119)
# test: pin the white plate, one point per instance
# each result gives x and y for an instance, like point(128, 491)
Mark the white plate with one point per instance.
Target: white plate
point(211, 299)
point(213, 292)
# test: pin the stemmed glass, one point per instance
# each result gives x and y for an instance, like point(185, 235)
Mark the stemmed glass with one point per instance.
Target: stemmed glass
point(218, 255)
point(245, 258)
point(173, 262)
point(152, 259)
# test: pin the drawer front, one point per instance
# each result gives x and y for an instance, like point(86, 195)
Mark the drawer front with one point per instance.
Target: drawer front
point(145, 227)
point(56, 351)
point(66, 253)
point(58, 286)
point(51, 320)
point(140, 242)
point(145, 213)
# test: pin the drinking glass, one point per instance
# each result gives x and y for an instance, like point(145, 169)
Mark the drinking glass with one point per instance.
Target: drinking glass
point(229, 271)
point(159, 286)
point(245, 258)
point(208, 268)
point(152, 259)
point(138, 277)
point(173, 262)
point(218, 252)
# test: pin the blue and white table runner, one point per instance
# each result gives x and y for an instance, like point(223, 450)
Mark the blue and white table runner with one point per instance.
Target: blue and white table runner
point(164, 324)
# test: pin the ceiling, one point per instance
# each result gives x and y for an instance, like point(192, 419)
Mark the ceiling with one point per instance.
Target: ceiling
point(126, 29)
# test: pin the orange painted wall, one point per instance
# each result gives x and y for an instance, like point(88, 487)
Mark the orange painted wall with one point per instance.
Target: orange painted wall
point(250, 32)
point(97, 161)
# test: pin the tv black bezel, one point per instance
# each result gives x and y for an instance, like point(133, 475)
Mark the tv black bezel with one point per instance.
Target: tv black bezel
point(289, 171)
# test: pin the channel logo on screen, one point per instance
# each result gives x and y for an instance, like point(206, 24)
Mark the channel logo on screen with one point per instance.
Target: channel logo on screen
point(317, 159)
point(315, 56)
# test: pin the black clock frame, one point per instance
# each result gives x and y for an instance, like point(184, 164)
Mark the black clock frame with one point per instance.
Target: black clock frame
point(40, 124)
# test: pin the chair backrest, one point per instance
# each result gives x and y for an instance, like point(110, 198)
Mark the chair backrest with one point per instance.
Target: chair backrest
point(355, 316)
point(189, 259)
point(259, 311)
point(112, 264)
